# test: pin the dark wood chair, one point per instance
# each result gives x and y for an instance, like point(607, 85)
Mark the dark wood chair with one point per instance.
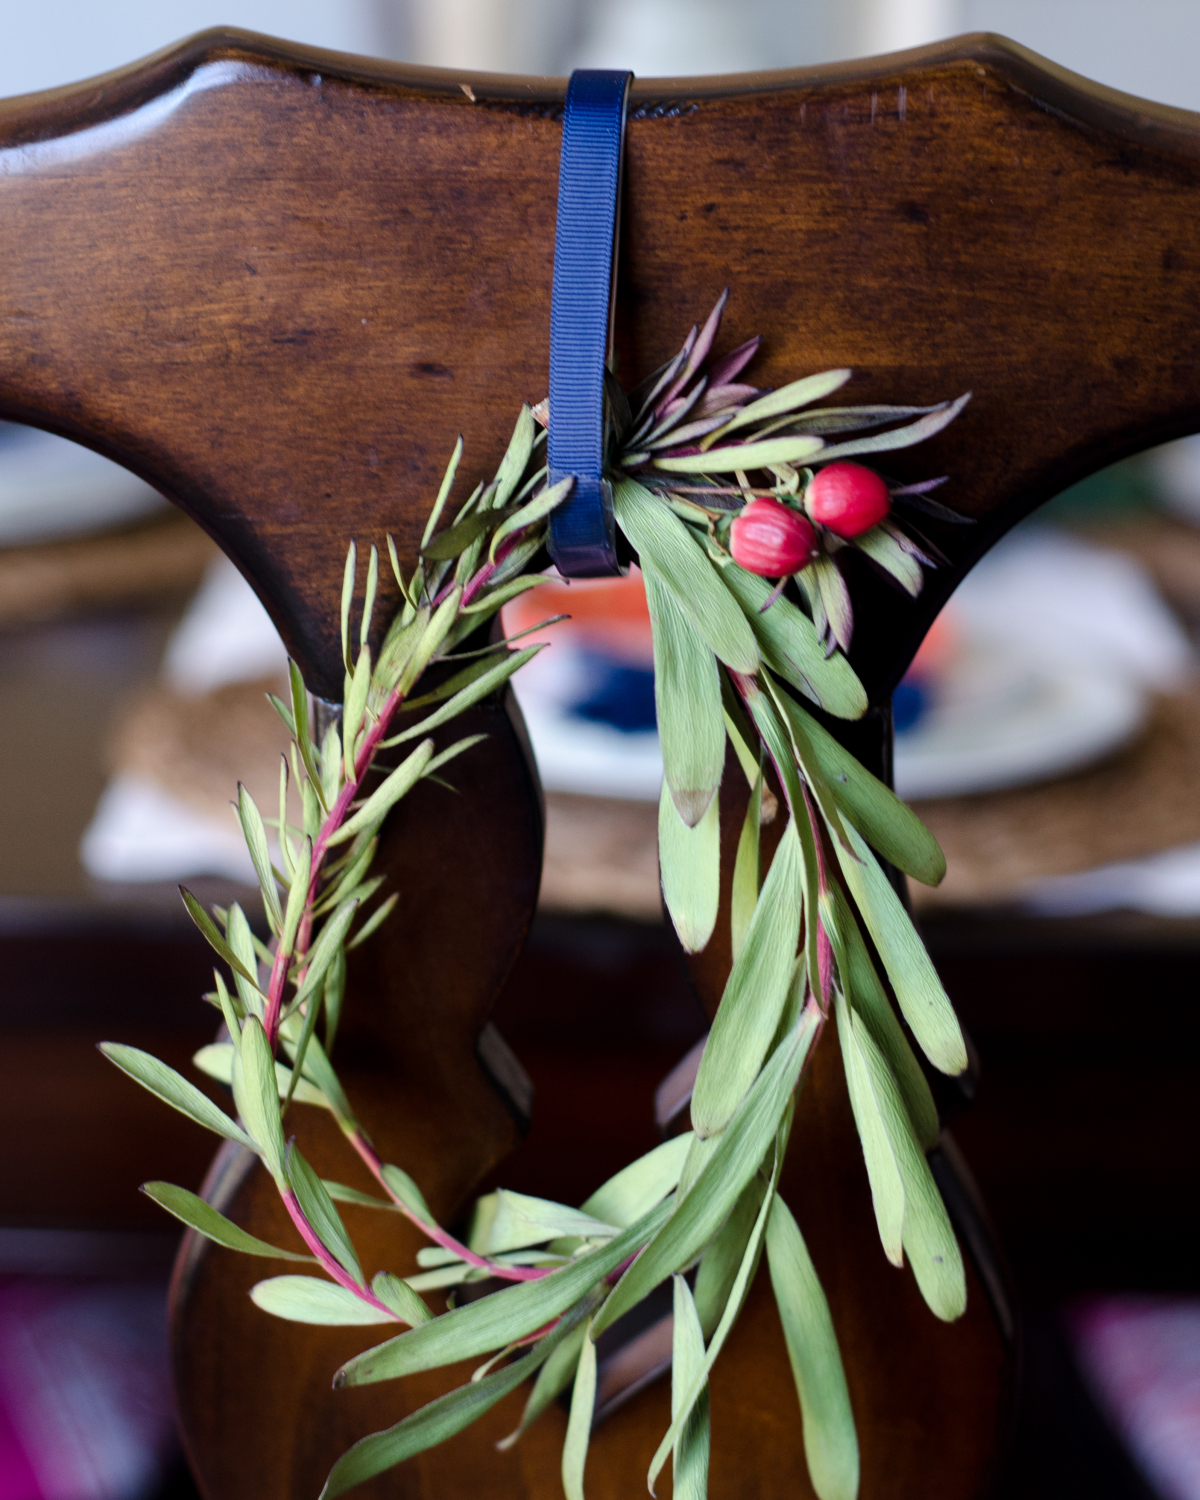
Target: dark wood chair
point(276, 283)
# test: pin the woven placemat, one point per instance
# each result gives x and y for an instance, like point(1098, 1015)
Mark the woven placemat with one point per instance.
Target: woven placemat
point(137, 565)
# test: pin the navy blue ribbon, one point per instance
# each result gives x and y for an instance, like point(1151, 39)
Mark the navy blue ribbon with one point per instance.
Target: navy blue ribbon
point(582, 530)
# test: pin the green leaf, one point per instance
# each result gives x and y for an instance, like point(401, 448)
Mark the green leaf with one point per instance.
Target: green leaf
point(319, 1210)
point(754, 994)
point(687, 695)
point(349, 575)
point(335, 994)
point(309, 1299)
point(519, 1220)
point(173, 1089)
point(919, 991)
point(483, 1326)
point(358, 687)
point(443, 493)
point(297, 896)
point(241, 942)
point(473, 693)
point(638, 1187)
point(205, 1219)
point(257, 1097)
point(689, 861)
point(733, 1161)
point(835, 598)
point(869, 999)
point(682, 1411)
point(300, 723)
point(747, 872)
point(883, 1171)
point(886, 823)
point(325, 950)
point(899, 437)
point(440, 1419)
point(385, 796)
point(579, 1424)
point(208, 927)
point(690, 1454)
point(791, 647)
point(516, 457)
point(400, 1297)
point(830, 1441)
point(364, 628)
point(789, 398)
point(378, 917)
point(667, 546)
point(553, 1378)
point(453, 543)
point(528, 515)
point(340, 1193)
point(744, 456)
point(217, 1061)
point(397, 1181)
point(720, 1263)
point(887, 553)
point(256, 842)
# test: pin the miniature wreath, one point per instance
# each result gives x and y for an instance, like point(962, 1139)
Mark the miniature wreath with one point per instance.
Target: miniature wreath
point(720, 488)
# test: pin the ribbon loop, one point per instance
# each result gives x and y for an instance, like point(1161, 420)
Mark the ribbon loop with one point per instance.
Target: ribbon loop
point(582, 531)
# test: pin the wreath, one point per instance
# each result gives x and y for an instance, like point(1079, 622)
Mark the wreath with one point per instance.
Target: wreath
point(739, 504)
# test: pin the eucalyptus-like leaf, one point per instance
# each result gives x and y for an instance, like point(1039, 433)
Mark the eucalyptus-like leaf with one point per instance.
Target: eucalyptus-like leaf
point(340, 1193)
point(440, 1419)
point(887, 553)
point(835, 597)
point(257, 1097)
point(689, 1458)
point(734, 1159)
point(883, 1171)
point(349, 577)
point(515, 1220)
point(742, 457)
point(638, 1187)
point(886, 823)
point(300, 727)
point(830, 419)
point(318, 1208)
point(689, 861)
point(400, 1297)
point(754, 994)
point(579, 1423)
point(721, 1261)
point(357, 688)
point(443, 494)
point(531, 513)
point(241, 940)
point(380, 915)
point(746, 870)
point(173, 1089)
point(399, 1183)
point(335, 994)
point(687, 694)
point(430, 641)
point(791, 647)
point(666, 546)
point(331, 765)
point(922, 999)
point(321, 955)
point(364, 628)
point(553, 1378)
point(256, 842)
point(217, 1061)
point(455, 541)
point(516, 458)
point(899, 437)
point(830, 1441)
point(309, 1299)
point(681, 1410)
point(483, 1326)
point(869, 1000)
point(209, 928)
point(204, 1219)
point(297, 896)
point(791, 397)
point(385, 796)
point(473, 693)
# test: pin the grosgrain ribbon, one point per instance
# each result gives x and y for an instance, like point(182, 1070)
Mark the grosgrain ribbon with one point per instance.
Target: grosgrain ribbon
point(582, 530)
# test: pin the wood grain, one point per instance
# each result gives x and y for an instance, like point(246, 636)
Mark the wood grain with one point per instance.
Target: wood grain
point(276, 283)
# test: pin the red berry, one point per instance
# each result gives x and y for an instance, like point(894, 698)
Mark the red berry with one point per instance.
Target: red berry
point(848, 499)
point(771, 539)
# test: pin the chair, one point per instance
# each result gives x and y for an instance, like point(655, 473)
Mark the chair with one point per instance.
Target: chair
point(276, 282)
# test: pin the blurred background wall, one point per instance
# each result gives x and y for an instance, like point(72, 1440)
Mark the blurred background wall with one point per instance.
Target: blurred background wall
point(1146, 48)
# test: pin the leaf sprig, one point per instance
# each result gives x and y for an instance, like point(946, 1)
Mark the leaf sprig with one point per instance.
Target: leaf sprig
point(819, 933)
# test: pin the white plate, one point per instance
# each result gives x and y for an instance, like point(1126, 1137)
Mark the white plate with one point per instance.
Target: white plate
point(1003, 721)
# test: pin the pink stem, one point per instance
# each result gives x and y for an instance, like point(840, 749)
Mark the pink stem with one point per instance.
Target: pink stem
point(435, 1232)
point(337, 1271)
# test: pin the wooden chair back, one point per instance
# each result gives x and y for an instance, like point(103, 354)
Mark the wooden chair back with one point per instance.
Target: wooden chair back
point(276, 282)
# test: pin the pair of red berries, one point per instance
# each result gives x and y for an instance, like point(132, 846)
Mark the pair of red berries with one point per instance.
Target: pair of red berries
point(771, 539)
